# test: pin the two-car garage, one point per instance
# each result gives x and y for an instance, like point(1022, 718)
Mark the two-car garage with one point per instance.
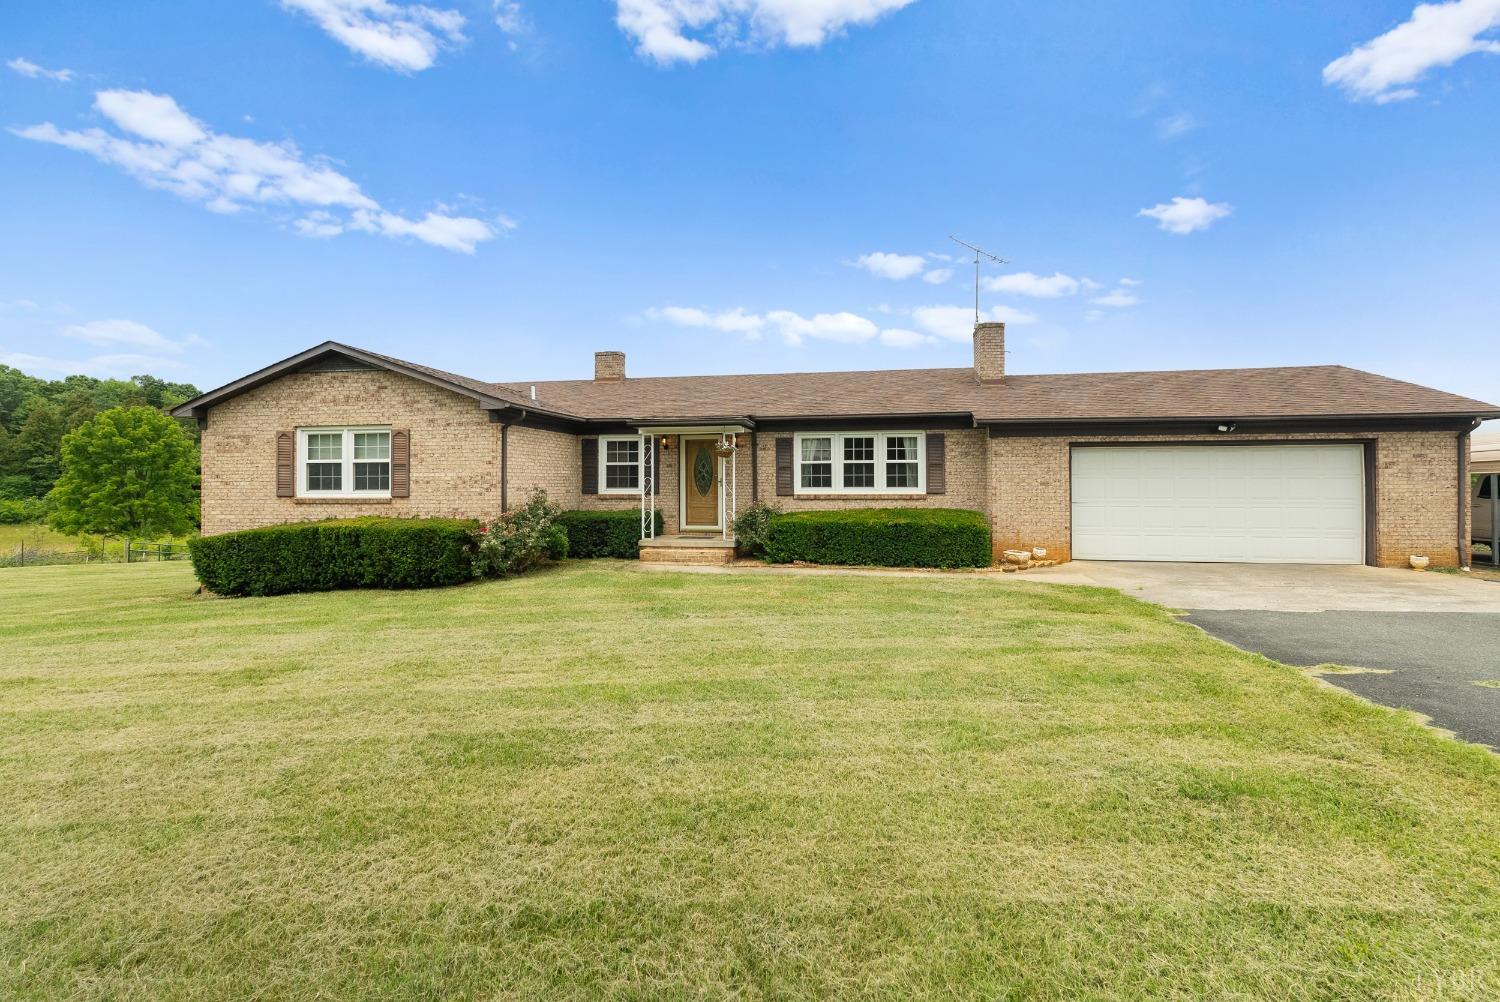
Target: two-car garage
point(1281, 503)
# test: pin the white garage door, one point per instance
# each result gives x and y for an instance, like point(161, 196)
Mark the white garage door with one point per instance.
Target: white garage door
point(1273, 504)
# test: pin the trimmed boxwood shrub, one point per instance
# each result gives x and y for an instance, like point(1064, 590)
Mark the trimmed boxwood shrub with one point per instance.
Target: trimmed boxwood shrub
point(604, 533)
point(341, 553)
point(882, 537)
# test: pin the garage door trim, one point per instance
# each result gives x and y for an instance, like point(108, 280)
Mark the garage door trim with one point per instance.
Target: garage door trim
point(1371, 470)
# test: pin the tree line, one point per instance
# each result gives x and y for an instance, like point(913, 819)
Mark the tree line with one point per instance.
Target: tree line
point(36, 414)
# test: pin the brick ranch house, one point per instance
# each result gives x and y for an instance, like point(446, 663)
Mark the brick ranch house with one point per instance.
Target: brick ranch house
point(1320, 464)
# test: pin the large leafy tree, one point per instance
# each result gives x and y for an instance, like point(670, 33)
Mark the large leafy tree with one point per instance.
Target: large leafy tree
point(35, 414)
point(129, 471)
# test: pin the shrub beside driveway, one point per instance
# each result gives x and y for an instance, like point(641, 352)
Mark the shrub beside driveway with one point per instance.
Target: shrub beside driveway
point(594, 782)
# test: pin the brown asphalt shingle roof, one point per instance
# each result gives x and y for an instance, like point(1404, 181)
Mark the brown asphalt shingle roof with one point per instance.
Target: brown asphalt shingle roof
point(1309, 391)
point(1217, 394)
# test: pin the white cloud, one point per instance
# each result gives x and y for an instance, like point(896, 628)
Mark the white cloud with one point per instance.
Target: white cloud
point(456, 233)
point(102, 366)
point(319, 225)
point(896, 337)
point(735, 321)
point(848, 328)
point(164, 147)
point(1024, 283)
point(794, 328)
point(1118, 298)
point(27, 68)
point(124, 334)
point(405, 37)
point(1187, 215)
point(1437, 34)
point(1173, 126)
point(150, 116)
point(956, 323)
point(511, 18)
point(689, 31)
point(937, 276)
point(893, 266)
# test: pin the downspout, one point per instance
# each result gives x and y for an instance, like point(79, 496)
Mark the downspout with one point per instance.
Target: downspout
point(1465, 541)
point(505, 460)
point(754, 470)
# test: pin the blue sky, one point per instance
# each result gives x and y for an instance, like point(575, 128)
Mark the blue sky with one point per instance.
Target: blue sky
point(503, 188)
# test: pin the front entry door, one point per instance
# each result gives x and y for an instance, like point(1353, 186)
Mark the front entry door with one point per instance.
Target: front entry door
point(700, 484)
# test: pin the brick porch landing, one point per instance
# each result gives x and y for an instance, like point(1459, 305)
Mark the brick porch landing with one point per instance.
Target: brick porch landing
point(687, 550)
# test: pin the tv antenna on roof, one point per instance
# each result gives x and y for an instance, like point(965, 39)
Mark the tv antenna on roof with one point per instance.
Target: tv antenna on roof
point(979, 252)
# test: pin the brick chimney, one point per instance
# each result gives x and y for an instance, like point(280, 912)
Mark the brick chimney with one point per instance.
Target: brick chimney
point(989, 352)
point(609, 366)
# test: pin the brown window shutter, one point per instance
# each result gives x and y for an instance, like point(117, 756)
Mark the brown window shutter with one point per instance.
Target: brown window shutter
point(400, 464)
point(937, 463)
point(591, 466)
point(784, 466)
point(286, 464)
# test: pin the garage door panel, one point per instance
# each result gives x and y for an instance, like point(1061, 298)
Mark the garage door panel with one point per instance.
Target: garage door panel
point(1265, 504)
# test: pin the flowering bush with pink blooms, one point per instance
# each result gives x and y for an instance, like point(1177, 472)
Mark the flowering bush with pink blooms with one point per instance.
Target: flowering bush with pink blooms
point(520, 539)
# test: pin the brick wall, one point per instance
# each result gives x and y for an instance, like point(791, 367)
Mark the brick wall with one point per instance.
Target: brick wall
point(455, 450)
point(1416, 478)
point(537, 457)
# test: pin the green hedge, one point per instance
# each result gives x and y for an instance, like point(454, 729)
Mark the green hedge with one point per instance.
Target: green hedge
point(604, 533)
point(883, 537)
point(342, 553)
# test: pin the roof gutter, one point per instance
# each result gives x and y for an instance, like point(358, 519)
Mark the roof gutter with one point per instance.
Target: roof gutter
point(1232, 418)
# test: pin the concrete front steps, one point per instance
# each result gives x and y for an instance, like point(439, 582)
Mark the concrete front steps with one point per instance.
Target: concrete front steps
point(687, 550)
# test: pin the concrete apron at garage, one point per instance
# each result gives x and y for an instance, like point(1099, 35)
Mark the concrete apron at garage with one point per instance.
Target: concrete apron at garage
point(1282, 587)
point(1427, 637)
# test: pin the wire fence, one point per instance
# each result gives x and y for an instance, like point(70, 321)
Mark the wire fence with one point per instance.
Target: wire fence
point(31, 554)
point(25, 555)
point(138, 552)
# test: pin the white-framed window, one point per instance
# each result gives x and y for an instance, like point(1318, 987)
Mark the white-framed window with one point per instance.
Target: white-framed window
point(861, 462)
point(619, 464)
point(344, 462)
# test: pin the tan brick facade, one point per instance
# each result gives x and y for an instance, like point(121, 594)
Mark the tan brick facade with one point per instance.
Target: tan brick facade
point(1022, 483)
point(1416, 483)
point(455, 450)
point(538, 457)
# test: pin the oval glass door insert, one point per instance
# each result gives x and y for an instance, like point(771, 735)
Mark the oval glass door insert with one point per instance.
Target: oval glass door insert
point(703, 472)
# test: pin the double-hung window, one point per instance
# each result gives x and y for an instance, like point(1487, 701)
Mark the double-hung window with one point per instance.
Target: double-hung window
point(620, 464)
point(866, 462)
point(344, 462)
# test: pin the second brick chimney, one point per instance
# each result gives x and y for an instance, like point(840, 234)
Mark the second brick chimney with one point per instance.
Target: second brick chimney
point(609, 366)
point(989, 352)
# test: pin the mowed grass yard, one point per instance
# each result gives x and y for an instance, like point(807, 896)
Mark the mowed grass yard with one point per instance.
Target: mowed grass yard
point(602, 782)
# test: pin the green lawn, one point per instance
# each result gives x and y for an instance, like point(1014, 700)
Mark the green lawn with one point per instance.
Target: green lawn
point(598, 781)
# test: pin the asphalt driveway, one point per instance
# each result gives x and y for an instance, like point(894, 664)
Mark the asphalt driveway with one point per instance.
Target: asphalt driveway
point(1427, 637)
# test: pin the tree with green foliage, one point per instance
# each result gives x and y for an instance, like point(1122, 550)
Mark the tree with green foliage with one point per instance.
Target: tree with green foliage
point(130, 472)
point(35, 414)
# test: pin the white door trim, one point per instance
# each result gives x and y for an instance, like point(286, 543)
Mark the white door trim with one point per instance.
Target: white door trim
point(682, 486)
